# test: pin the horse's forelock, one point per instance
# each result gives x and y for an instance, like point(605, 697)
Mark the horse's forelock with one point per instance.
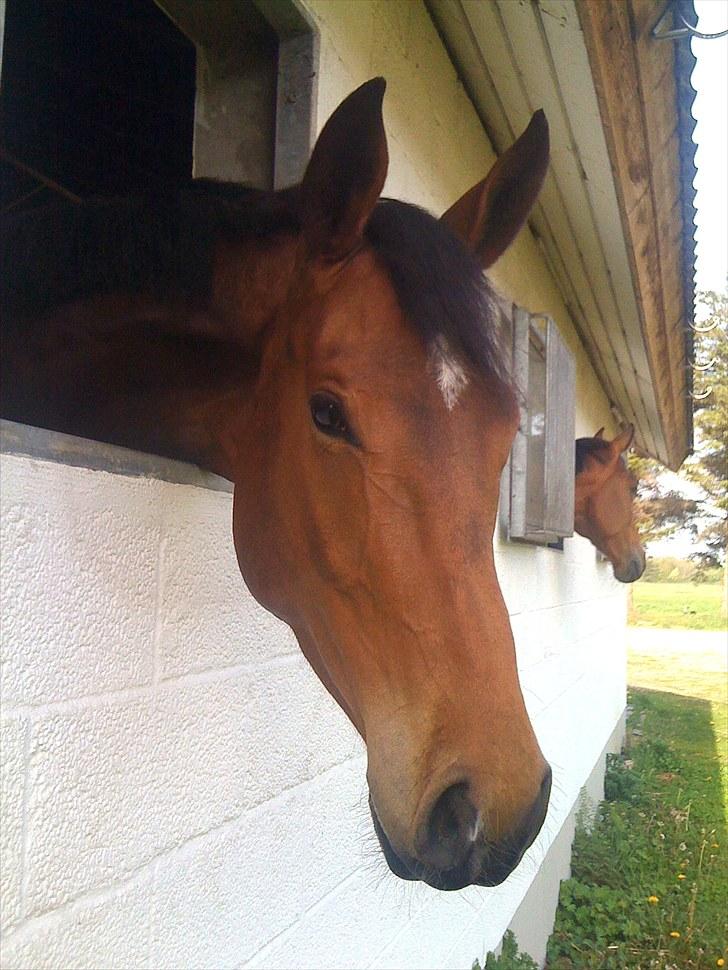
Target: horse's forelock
point(442, 290)
point(596, 448)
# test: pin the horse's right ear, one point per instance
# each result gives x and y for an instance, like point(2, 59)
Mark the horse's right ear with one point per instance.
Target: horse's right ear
point(346, 174)
point(488, 217)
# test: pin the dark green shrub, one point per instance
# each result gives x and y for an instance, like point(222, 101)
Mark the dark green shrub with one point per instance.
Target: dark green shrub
point(509, 957)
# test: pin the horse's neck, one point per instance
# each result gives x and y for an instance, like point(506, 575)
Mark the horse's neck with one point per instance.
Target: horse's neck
point(158, 376)
point(250, 280)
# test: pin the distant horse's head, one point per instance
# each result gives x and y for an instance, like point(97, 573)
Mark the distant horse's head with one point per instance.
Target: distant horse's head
point(367, 483)
point(336, 356)
point(604, 493)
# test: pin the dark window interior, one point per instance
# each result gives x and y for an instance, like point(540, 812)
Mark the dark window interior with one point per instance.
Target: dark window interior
point(98, 98)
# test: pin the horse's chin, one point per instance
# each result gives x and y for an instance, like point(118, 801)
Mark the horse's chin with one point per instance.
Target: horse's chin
point(471, 872)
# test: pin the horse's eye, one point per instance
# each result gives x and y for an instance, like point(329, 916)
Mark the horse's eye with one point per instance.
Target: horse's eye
point(328, 416)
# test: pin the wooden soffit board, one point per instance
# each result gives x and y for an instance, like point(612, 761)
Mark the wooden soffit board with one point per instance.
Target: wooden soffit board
point(634, 76)
point(608, 221)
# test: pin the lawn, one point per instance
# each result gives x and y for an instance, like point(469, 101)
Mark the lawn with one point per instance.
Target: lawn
point(692, 606)
point(648, 887)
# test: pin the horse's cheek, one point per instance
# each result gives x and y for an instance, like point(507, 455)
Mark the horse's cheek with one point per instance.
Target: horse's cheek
point(255, 535)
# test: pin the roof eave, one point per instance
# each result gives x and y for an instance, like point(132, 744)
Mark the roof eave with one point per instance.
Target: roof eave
point(652, 154)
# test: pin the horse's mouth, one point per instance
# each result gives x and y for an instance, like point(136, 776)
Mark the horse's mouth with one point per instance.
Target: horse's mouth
point(483, 866)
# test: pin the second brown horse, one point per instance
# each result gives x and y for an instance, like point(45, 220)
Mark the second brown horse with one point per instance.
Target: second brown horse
point(604, 494)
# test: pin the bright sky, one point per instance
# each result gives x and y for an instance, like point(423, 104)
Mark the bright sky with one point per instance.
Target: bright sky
point(710, 80)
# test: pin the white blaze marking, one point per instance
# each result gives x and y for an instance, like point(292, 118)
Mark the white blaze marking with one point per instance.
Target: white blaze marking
point(449, 373)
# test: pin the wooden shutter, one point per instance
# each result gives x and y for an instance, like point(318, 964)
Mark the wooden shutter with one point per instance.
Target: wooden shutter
point(560, 430)
point(542, 457)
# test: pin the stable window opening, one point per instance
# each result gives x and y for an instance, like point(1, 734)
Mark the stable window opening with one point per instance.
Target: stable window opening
point(115, 98)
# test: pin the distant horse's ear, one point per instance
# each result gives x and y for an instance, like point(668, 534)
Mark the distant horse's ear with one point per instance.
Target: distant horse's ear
point(623, 440)
point(600, 433)
point(489, 216)
point(346, 173)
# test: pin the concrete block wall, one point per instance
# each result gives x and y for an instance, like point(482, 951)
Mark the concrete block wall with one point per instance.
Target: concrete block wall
point(206, 806)
point(178, 789)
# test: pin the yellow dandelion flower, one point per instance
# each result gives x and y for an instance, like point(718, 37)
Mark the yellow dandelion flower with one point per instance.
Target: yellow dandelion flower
point(653, 900)
point(674, 934)
point(681, 875)
point(720, 962)
point(716, 846)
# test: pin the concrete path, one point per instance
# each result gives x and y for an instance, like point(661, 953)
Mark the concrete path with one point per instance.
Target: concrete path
point(709, 648)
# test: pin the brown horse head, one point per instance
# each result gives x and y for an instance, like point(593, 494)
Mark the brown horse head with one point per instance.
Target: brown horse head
point(367, 473)
point(344, 371)
point(604, 492)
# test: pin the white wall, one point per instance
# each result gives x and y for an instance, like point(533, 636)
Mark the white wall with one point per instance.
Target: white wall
point(178, 789)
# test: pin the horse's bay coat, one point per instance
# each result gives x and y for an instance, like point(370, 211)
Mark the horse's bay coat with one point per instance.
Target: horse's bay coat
point(338, 360)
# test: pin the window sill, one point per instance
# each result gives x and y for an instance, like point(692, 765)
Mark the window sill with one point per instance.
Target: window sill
point(65, 449)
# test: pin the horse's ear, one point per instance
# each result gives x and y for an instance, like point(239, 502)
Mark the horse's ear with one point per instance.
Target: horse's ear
point(623, 440)
point(600, 433)
point(489, 216)
point(346, 173)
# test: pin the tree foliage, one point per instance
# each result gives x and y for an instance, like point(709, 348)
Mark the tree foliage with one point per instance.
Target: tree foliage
point(662, 511)
point(708, 466)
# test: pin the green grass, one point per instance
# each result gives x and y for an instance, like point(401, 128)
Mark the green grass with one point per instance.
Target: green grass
point(692, 606)
point(664, 817)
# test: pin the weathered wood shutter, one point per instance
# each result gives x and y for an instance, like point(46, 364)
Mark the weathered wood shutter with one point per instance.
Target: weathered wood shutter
point(542, 458)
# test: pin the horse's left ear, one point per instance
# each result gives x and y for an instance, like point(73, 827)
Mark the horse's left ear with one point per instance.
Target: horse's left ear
point(623, 440)
point(346, 174)
point(489, 216)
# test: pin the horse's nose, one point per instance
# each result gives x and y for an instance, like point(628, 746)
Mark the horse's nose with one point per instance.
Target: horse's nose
point(531, 825)
point(633, 570)
point(450, 830)
point(504, 858)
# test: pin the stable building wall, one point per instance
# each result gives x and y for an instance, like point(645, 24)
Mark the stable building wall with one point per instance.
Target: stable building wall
point(178, 787)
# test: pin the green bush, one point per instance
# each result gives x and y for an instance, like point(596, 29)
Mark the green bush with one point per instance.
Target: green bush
point(620, 782)
point(669, 569)
point(509, 957)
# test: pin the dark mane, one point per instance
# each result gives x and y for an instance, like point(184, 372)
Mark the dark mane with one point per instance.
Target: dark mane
point(163, 247)
point(590, 447)
point(160, 246)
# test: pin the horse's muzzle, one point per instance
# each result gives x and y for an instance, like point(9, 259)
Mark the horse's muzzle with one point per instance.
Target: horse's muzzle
point(453, 850)
point(633, 570)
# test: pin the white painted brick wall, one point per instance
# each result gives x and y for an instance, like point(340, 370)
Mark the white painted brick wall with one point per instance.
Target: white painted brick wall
point(211, 812)
point(178, 789)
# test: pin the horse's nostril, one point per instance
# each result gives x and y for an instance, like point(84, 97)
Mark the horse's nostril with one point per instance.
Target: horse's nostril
point(452, 828)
